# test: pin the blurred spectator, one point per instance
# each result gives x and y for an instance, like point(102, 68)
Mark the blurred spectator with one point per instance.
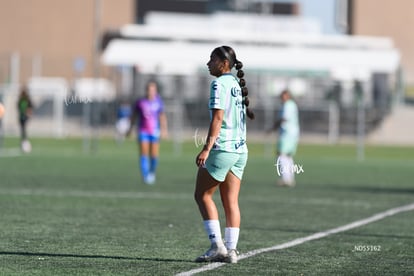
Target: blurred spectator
point(24, 106)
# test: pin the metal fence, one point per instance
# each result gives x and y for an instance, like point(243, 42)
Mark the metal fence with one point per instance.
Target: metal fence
point(327, 108)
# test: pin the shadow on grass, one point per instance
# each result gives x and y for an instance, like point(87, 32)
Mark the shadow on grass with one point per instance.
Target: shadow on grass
point(61, 255)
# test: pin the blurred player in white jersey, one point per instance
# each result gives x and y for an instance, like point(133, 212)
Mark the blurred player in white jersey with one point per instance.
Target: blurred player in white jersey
point(288, 126)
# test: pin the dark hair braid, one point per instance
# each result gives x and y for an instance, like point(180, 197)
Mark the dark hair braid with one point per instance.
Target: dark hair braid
point(244, 90)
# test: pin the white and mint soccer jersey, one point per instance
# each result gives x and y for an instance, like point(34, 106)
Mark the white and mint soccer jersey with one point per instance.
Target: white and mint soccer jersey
point(289, 128)
point(225, 94)
point(290, 123)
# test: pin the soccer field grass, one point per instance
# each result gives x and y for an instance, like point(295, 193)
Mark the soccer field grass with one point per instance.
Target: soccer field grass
point(65, 212)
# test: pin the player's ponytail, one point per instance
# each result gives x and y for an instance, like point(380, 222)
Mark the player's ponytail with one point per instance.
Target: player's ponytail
point(242, 82)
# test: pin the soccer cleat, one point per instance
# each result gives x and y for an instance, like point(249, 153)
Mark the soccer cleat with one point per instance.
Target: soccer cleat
point(282, 183)
point(232, 256)
point(291, 183)
point(214, 254)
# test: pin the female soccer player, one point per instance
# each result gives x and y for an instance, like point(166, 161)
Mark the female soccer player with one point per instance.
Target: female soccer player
point(222, 160)
point(152, 123)
point(288, 125)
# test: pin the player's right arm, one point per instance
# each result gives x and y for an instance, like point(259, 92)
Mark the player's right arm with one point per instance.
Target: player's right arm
point(213, 133)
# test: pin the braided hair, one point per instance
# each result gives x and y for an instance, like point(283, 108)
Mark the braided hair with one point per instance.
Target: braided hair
point(226, 52)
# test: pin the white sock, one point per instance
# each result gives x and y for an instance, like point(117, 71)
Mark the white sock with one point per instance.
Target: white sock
point(286, 167)
point(213, 230)
point(291, 174)
point(231, 237)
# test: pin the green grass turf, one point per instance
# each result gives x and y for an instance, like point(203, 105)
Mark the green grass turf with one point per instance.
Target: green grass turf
point(67, 212)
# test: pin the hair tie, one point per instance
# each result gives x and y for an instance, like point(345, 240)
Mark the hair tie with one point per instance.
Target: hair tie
point(242, 82)
point(239, 64)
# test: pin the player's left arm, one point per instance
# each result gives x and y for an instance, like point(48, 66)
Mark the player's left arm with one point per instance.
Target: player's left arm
point(163, 125)
point(29, 110)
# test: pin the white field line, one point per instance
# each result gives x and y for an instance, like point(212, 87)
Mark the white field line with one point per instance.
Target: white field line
point(319, 235)
point(13, 152)
point(93, 194)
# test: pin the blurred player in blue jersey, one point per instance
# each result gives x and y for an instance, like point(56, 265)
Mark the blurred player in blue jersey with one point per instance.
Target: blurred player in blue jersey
point(152, 124)
point(223, 158)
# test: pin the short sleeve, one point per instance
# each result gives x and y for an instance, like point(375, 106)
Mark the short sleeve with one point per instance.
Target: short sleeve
point(216, 96)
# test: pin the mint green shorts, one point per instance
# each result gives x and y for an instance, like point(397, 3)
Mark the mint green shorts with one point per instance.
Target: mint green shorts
point(220, 163)
point(287, 145)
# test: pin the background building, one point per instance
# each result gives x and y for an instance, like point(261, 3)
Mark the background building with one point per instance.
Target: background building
point(56, 38)
point(388, 18)
point(59, 40)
